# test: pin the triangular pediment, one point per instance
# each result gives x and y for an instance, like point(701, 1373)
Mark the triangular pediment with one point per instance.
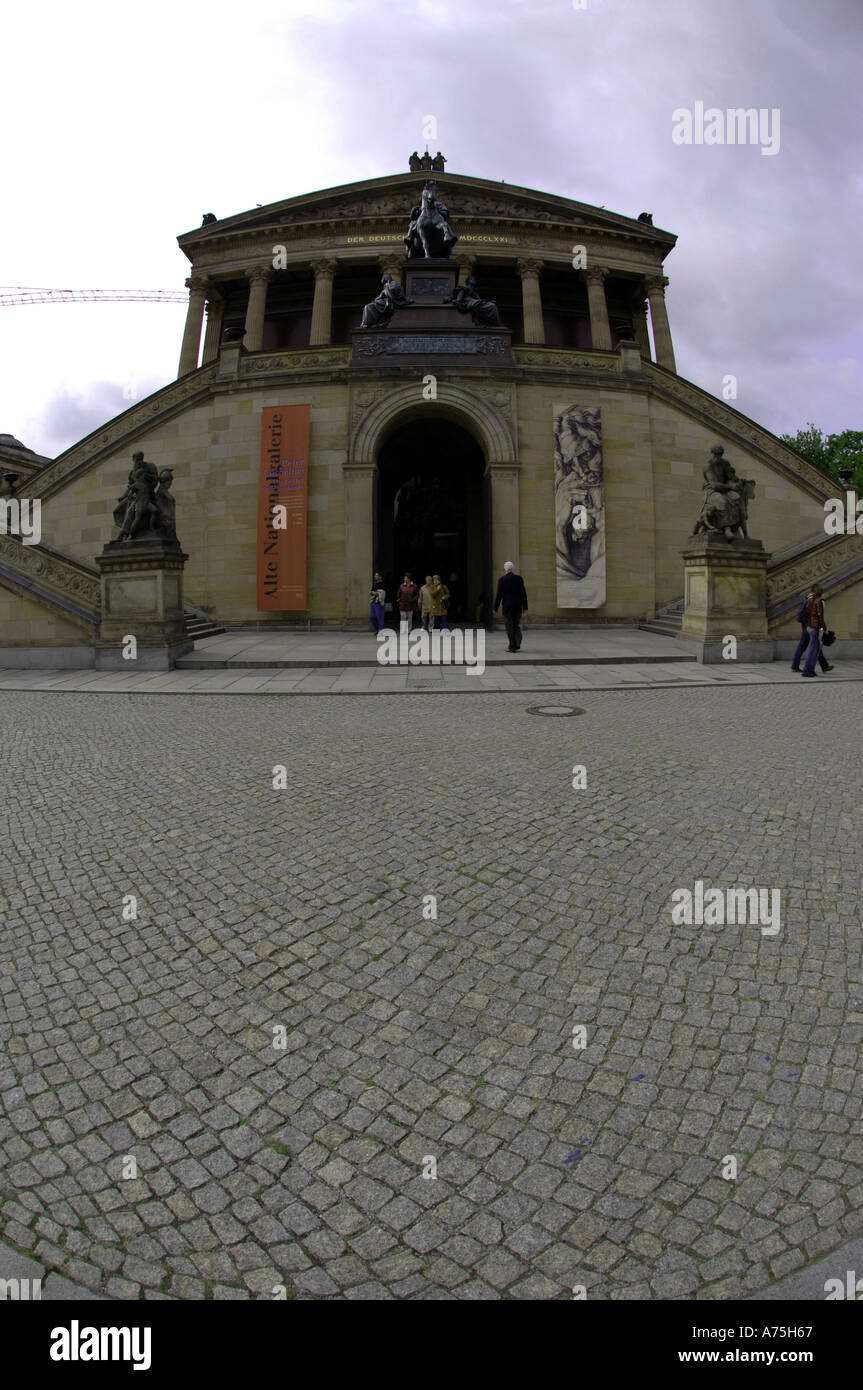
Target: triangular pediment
point(393, 196)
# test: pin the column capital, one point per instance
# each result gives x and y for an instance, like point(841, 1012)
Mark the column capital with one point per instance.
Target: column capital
point(527, 265)
point(655, 284)
point(467, 258)
point(391, 265)
point(595, 274)
point(324, 266)
point(198, 284)
point(260, 273)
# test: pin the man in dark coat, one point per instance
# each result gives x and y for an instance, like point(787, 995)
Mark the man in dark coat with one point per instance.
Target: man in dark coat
point(512, 594)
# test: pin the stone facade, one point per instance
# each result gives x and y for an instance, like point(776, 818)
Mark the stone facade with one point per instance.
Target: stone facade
point(657, 429)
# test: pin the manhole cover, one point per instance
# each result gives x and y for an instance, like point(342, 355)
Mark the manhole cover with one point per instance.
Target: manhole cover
point(559, 711)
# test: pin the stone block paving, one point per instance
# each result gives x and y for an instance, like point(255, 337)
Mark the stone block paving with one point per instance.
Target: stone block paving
point(237, 1090)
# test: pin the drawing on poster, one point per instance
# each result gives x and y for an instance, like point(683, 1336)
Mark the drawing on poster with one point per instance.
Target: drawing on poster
point(579, 508)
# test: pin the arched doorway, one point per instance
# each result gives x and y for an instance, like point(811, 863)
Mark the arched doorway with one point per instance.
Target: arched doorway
point(432, 512)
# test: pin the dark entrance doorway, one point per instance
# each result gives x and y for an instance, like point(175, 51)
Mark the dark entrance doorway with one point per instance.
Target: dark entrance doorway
point(430, 513)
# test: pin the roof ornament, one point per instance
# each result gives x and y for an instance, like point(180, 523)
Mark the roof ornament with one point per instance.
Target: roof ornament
point(419, 163)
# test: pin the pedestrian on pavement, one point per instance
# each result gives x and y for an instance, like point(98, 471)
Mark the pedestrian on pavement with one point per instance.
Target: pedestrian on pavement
point(439, 600)
point(407, 601)
point(426, 604)
point(804, 643)
point(377, 599)
point(815, 625)
point(512, 594)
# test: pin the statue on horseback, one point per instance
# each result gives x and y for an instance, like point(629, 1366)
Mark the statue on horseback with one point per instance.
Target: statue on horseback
point(430, 233)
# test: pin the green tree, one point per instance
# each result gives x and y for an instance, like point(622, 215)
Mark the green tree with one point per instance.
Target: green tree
point(830, 452)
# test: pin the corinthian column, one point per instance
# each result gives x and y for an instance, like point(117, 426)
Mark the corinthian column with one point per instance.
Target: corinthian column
point(322, 308)
point(600, 328)
point(531, 301)
point(259, 278)
point(197, 287)
point(659, 319)
point(215, 312)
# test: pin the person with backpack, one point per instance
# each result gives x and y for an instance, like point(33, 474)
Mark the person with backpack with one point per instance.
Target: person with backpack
point(804, 639)
point(815, 625)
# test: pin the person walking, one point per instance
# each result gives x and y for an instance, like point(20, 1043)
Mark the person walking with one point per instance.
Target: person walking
point(406, 598)
point(512, 594)
point(804, 643)
point(377, 599)
point(439, 598)
point(813, 621)
point(426, 604)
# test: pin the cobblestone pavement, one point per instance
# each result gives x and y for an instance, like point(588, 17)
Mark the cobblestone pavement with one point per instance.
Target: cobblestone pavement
point(409, 1038)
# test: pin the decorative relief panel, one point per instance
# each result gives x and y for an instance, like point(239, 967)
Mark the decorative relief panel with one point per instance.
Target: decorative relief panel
point(579, 507)
point(422, 344)
point(838, 554)
point(568, 361)
point(64, 577)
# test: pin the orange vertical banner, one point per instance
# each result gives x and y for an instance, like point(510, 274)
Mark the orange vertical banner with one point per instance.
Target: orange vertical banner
point(283, 499)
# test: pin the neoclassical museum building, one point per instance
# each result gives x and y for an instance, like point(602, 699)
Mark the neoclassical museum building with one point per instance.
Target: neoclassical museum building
point(427, 371)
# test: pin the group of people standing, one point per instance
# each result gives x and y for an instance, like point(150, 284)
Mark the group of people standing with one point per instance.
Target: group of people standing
point(432, 601)
point(435, 603)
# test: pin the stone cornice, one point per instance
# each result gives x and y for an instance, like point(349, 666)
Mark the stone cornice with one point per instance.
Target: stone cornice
point(124, 429)
point(566, 359)
point(256, 364)
point(352, 238)
point(392, 196)
point(716, 412)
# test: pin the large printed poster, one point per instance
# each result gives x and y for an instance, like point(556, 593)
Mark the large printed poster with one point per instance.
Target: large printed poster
point(283, 494)
point(579, 508)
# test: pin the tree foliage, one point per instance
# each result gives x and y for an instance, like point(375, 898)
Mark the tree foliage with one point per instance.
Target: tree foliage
point(830, 452)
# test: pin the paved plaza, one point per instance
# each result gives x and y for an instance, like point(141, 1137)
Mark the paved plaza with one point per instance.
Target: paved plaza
point(332, 1046)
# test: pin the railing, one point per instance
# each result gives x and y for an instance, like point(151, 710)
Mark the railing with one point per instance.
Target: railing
point(57, 579)
point(126, 427)
point(834, 562)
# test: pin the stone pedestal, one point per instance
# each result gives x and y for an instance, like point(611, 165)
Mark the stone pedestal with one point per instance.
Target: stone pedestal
point(430, 281)
point(142, 597)
point(726, 596)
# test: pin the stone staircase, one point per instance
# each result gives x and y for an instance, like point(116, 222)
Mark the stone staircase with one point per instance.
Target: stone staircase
point(665, 622)
point(198, 625)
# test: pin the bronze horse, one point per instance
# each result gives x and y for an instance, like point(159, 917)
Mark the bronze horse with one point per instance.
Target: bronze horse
point(430, 233)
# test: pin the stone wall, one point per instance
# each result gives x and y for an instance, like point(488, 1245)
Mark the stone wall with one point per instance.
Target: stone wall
point(654, 452)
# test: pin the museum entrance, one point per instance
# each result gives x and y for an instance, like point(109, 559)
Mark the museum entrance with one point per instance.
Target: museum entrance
point(432, 514)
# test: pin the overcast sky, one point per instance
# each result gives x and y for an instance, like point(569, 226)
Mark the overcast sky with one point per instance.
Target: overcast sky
point(123, 124)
